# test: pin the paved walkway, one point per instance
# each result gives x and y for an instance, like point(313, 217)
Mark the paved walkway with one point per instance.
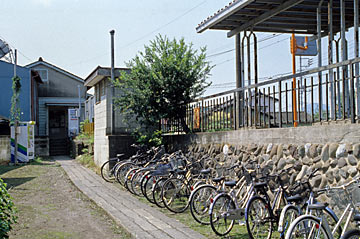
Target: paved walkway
point(141, 220)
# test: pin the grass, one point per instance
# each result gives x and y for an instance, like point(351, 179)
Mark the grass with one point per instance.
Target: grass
point(49, 206)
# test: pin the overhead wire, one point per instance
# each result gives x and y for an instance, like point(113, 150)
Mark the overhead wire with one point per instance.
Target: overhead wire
point(164, 25)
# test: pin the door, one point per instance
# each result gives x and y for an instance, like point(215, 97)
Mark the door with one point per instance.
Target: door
point(59, 142)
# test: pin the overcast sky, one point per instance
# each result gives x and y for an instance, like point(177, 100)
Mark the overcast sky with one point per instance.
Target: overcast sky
point(74, 34)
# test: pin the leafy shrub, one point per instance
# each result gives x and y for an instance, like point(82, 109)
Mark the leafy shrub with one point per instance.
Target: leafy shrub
point(149, 138)
point(7, 211)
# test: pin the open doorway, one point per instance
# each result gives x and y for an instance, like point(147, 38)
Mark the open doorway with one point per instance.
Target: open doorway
point(58, 131)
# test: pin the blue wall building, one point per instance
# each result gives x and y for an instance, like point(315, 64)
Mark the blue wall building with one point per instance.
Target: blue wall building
point(6, 75)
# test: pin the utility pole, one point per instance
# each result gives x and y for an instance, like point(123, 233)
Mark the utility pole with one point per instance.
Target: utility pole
point(79, 114)
point(16, 118)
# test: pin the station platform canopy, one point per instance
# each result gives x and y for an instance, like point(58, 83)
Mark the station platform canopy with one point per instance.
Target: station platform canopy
point(278, 16)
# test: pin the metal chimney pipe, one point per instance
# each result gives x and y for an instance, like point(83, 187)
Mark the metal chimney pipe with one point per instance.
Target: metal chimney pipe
point(112, 33)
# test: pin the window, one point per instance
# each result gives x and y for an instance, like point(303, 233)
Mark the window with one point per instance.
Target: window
point(97, 93)
point(43, 74)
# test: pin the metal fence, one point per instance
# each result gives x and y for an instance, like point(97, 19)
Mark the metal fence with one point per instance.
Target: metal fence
point(322, 94)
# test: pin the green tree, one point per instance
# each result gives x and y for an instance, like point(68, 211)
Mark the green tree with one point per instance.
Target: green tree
point(167, 76)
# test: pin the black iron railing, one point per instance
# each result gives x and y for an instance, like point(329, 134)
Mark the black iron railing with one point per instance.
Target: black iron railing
point(324, 94)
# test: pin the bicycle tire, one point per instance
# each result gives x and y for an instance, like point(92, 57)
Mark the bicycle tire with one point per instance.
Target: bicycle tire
point(122, 171)
point(148, 187)
point(200, 203)
point(351, 234)
point(136, 181)
point(143, 182)
point(128, 177)
point(259, 222)
point(156, 192)
point(107, 172)
point(219, 211)
point(175, 194)
point(290, 214)
point(306, 226)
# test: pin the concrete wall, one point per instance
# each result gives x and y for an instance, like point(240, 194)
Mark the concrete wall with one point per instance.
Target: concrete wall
point(6, 74)
point(4, 148)
point(101, 142)
point(321, 134)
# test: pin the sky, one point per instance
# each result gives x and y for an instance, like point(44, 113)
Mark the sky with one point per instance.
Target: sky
point(74, 34)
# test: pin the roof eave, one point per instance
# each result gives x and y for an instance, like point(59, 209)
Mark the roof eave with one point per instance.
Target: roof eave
point(222, 15)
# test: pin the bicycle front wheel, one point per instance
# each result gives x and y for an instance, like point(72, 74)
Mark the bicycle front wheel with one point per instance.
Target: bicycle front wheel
point(259, 222)
point(220, 210)
point(307, 226)
point(200, 203)
point(352, 234)
point(107, 171)
point(175, 194)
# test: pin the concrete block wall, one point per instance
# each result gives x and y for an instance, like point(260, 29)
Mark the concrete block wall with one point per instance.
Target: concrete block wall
point(101, 146)
point(4, 149)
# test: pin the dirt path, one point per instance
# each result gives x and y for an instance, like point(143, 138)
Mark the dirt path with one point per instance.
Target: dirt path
point(50, 206)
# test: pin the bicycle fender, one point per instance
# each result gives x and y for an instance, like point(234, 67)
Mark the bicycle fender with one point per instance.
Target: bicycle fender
point(330, 211)
point(282, 216)
point(288, 233)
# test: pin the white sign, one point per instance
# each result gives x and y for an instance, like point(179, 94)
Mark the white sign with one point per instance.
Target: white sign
point(73, 128)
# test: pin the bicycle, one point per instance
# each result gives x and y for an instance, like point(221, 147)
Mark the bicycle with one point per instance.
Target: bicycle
point(317, 226)
point(302, 190)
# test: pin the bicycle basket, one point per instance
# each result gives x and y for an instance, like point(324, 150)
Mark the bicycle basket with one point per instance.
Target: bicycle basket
point(341, 198)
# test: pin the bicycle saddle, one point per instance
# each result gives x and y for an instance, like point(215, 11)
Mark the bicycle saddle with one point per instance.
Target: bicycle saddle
point(205, 171)
point(260, 185)
point(317, 206)
point(219, 179)
point(230, 183)
point(295, 198)
point(357, 217)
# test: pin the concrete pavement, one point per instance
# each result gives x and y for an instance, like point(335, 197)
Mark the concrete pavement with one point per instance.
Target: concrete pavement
point(141, 220)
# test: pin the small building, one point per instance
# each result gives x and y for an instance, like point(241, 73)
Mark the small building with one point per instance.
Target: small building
point(28, 100)
point(60, 97)
point(112, 134)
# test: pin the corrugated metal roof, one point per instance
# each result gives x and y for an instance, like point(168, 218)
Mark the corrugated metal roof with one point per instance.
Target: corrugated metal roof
point(281, 16)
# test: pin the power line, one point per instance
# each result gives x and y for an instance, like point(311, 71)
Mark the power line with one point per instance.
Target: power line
point(252, 43)
point(166, 24)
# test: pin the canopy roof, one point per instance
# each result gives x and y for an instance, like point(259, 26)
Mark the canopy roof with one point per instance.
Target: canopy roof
point(277, 16)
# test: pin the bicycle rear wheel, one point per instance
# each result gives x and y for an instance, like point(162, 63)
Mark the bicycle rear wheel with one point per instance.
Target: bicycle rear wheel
point(258, 218)
point(220, 210)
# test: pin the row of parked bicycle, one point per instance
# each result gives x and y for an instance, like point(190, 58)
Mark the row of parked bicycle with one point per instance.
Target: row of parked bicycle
point(224, 196)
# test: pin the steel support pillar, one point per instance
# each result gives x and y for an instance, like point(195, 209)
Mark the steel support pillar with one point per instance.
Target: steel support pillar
point(344, 57)
point(318, 18)
point(330, 60)
point(239, 84)
point(356, 54)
